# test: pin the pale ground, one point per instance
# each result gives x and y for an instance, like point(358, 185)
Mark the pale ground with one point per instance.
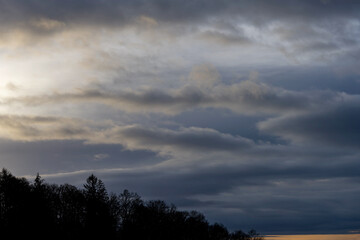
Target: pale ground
point(315, 237)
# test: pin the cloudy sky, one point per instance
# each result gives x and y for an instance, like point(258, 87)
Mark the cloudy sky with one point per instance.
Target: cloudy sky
point(245, 110)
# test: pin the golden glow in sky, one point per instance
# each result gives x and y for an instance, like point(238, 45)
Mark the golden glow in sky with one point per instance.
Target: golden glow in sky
point(315, 237)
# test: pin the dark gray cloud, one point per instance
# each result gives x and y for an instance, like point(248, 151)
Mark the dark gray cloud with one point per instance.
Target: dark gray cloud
point(151, 100)
point(224, 121)
point(210, 180)
point(115, 11)
point(68, 156)
point(291, 21)
point(226, 38)
point(39, 128)
point(187, 139)
point(240, 195)
point(246, 97)
point(336, 125)
point(133, 137)
point(288, 186)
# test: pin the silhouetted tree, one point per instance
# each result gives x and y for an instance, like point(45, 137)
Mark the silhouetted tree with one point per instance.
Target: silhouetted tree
point(98, 219)
point(254, 235)
point(14, 210)
point(44, 201)
point(71, 212)
point(114, 207)
point(239, 235)
point(42, 211)
point(196, 226)
point(128, 203)
point(218, 232)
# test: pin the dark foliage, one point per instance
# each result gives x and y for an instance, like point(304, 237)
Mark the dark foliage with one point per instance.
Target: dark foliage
point(42, 211)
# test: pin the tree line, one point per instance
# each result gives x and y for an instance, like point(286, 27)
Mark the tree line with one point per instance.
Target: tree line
point(39, 210)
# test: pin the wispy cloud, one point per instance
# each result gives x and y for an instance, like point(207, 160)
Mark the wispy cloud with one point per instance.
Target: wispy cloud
point(246, 97)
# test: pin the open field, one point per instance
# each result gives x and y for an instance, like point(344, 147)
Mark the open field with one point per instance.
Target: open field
point(315, 237)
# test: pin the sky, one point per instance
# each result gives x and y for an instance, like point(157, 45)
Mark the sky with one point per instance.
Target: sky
point(245, 110)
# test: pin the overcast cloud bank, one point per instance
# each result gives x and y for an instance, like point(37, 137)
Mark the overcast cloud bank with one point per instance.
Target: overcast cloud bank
point(245, 110)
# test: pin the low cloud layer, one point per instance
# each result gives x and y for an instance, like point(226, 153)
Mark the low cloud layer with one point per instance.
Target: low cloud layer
point(337, 125)
point(132, 137)
point(37, 128)
point(246, 97)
